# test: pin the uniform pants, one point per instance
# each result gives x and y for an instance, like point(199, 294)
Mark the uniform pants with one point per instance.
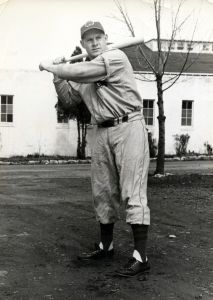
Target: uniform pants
point(119, 172)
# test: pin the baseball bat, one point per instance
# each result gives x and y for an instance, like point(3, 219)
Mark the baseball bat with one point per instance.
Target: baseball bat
point(124, 44)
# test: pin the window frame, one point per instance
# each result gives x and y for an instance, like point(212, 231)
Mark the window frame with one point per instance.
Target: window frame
point(172, 46)
point(205, 47)
point(190, 47)
point(6, 109)
point(185, 113)
point(147, 117)
point(180, 45)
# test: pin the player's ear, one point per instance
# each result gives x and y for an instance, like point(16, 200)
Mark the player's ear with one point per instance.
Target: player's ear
point(82, 43)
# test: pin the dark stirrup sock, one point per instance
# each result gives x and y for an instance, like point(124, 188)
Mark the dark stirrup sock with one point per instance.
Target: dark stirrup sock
point(106, 234)
point(140, 234)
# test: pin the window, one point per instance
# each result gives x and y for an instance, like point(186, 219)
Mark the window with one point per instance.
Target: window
point(171, 46)
point(180, 45)
point(186, 118)
point(164, 45)
point(148, 111)
point(189, 46)
point(6, 108)
point(205, 47)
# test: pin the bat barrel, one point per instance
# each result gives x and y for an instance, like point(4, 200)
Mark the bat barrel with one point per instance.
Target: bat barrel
point(132, 41)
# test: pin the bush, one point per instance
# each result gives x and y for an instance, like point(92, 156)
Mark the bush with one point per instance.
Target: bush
point(209, 148)
point(152, 145)
point(181, 143)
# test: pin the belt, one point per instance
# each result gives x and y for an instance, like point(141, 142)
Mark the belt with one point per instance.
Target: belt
point(116, 121)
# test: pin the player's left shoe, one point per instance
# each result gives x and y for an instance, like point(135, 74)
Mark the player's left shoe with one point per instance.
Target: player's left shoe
point(133, 267)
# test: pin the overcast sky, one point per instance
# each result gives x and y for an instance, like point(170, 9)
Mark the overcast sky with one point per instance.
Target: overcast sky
point(33, 30)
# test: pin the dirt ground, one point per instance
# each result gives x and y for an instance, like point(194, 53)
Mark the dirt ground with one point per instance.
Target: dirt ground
point(46, 219)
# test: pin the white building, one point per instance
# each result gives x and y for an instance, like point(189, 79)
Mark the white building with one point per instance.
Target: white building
point(182, 46)
point(29, 122)
point(188, 104)
point(34, 30)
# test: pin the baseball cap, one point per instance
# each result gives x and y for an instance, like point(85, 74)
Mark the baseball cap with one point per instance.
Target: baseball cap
point(91, 25)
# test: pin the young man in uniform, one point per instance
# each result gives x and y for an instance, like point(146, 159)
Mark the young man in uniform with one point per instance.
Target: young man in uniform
point(120, 153)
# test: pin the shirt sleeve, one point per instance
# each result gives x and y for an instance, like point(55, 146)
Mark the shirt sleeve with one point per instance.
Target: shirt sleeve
point(114, 61)
point(67, 93)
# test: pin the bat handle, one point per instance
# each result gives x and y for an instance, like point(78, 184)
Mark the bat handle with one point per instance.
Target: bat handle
point(76, 57)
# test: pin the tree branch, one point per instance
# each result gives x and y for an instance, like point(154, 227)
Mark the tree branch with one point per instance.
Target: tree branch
point(145, 78)
point(125, 17)
point(185, 62)
point(174, 30)
point(176, 77)
point(157, 10)
point(146, 60)
point(116, 18)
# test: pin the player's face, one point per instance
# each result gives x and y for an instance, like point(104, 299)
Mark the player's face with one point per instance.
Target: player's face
point(94, 42)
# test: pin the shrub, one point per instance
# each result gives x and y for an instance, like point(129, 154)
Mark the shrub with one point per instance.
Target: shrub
point(152, 145)
point(181, 143)
point(209, 148)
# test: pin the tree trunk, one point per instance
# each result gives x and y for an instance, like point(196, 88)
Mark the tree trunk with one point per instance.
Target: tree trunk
point(81, 147)
point(161, 122)
point(79, 140)
point(84, 142)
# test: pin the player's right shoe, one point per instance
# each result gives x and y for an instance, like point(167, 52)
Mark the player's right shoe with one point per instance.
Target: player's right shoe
point(97, 254)
point(133, 267)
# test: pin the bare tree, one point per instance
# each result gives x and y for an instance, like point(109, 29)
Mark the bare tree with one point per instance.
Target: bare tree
point(158, 65)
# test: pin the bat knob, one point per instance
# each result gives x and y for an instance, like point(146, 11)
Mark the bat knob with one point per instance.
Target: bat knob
point(41, 67)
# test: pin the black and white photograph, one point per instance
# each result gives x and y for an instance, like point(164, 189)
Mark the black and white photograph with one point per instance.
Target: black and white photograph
point(106, 149)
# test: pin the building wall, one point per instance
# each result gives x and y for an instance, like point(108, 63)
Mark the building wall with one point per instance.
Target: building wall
point(199, 89)
point(34, 128)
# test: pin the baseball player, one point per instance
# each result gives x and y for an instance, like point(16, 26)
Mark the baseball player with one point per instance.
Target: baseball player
point(120, 152)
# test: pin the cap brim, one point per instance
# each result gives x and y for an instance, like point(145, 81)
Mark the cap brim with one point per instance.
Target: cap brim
point(92, 29)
